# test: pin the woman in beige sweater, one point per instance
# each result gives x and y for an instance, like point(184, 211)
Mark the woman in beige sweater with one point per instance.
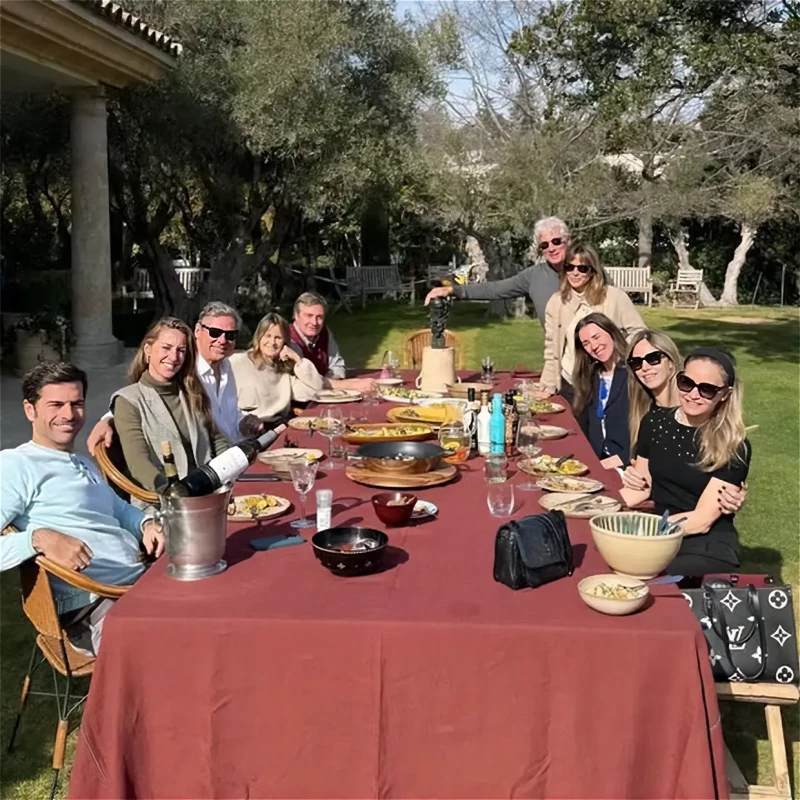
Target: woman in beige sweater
point(270, 375)
point(584, 290)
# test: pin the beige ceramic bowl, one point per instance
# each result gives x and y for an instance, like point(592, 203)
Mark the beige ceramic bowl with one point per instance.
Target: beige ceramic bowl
point(608, 605)
point(630, 554)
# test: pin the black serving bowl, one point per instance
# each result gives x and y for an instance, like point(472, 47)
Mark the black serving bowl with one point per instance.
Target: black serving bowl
point(341, 562)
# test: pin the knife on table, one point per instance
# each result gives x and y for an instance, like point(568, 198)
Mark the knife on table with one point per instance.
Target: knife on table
point(253, 478)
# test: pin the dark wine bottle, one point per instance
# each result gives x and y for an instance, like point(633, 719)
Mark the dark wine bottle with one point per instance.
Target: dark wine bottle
point(474, 408)
point(169, 482)
point(225, 468)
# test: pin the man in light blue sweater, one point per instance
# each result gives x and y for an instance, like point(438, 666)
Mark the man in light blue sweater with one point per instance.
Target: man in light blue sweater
point(61, 505)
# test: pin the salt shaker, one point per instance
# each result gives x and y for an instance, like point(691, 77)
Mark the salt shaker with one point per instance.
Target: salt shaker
point(324, 509)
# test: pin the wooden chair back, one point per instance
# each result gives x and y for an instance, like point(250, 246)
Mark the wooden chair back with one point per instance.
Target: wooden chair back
point(112, 464)
point(689, 279)
point(416, 341)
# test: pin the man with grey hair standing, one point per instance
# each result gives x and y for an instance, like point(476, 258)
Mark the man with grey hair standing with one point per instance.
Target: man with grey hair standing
point(215, 334)
point(539, 282)
point(312, 339)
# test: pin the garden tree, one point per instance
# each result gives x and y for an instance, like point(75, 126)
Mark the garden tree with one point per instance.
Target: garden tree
point(275, 121)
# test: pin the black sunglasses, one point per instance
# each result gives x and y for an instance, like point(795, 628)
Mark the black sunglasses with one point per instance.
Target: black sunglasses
point(582, 268)
point(708, 391)
point(215, 333)
point(653, 359)
point(555, 242)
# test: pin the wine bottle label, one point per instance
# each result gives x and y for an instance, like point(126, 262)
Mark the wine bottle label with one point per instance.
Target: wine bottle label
point(230, 465)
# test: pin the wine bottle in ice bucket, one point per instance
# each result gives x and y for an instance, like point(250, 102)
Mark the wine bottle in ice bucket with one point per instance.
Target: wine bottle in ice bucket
point(224, 468)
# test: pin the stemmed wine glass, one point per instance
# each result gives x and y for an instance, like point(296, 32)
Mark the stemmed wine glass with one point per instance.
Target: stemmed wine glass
point(527, 436)
point(389, 365)
point(303, 474)
point(331, 426)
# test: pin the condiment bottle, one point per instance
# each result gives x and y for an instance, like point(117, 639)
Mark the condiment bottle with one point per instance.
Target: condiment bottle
point(324, 508)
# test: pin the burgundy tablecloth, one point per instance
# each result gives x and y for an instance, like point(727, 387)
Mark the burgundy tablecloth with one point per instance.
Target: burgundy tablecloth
point(429, 680)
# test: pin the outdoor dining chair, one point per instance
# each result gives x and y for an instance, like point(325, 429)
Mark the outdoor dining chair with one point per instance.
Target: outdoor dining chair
point(112, 464)
point(416, 341)
point(53, 645)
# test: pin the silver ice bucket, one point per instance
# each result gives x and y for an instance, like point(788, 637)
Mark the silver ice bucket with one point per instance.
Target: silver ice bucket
point(194, 528)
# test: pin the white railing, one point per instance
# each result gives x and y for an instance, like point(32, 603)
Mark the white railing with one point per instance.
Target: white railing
point(191, 278)
point(632, 280)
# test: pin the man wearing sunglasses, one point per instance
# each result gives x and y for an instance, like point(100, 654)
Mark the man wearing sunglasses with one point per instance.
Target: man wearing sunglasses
point(215, 335)
point(539, 282)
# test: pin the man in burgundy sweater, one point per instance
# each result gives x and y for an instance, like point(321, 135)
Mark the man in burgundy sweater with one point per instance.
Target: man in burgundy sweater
point(312, 339)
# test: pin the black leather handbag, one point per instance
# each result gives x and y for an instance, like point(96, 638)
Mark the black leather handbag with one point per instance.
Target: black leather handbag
point(533, 551)
point(750, 631)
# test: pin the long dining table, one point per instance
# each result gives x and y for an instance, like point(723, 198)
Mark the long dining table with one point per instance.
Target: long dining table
point(279, 679)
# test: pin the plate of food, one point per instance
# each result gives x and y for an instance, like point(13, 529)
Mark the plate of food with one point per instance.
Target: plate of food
point(552, 432)
point(249, 507)
point(305, 423)
point(424, 509)
point(546, 407)
point(358, 433)
point(433, 415)
point(616, 595)
point(388, 382)
point(337, 396)
point(399, 394)
point(563, 483)
point(281, 457)
point(579, 505)
point(552, 465)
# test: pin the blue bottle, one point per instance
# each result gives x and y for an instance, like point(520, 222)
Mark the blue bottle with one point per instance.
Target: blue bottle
point(497, 425)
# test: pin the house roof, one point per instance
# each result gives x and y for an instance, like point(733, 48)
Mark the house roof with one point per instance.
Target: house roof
point(117, 15)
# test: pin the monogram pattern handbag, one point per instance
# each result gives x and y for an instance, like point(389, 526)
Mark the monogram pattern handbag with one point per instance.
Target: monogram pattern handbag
point(750, 631)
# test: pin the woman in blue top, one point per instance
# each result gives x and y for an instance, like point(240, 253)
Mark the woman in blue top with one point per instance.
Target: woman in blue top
point(600, 379)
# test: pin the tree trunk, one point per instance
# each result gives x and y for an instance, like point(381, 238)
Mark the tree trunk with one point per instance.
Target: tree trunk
point(645, 239)
point(502, 266)
point(729, 292)
point(679, 238)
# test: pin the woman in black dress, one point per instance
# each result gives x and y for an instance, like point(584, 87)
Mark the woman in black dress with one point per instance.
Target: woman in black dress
point(688, 454)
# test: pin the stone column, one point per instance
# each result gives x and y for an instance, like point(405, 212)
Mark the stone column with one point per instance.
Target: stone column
point(95, 345)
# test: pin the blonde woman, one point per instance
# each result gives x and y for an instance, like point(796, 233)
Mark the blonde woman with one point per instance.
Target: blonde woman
point(270, 375)
point(165, 402)
point(687, 454)
point(583, 290)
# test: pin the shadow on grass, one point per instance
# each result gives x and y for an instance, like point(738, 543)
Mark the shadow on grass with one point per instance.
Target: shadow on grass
point(779, 341)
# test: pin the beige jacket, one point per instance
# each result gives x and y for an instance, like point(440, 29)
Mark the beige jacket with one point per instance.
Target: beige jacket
point(267, 393)
point(560, 320)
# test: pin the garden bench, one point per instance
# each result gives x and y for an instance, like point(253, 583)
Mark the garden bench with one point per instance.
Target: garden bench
point(191, 278)
point(379, 280)
point(772, 696)
point(688, 284)
point(632, 280)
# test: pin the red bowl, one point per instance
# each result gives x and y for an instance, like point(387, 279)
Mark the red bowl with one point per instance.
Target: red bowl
point(394, 514)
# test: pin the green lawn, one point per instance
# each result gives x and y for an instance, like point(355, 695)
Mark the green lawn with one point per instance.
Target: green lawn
point(766, 343)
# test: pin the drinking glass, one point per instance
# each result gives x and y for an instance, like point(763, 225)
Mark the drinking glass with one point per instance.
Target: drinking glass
point(390, 364)
point(303, 475)
point(331, 426)
point(527, 436)
point(500, 499)
point(496, 468)
point(487, 370)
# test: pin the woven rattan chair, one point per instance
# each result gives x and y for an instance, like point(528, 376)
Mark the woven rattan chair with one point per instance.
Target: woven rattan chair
point(112, 464)
point(416, 341)
point(53, 646)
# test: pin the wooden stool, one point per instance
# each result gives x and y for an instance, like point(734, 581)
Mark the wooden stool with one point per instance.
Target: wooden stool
point(773, 696)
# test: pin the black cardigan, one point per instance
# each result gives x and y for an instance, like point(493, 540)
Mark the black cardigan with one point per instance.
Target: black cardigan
point(617, 441)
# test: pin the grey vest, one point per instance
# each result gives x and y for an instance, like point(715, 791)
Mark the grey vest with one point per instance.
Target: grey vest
point(158, 426)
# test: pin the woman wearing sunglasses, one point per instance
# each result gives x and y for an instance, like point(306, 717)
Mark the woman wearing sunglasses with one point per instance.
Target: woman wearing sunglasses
point(600, 382)
point(270, 376)
point(165, 402)
point(583, 290)
point(654, 360)
point(687, 454)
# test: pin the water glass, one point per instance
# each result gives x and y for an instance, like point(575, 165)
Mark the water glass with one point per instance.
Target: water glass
point(338, 453)
point(527, 436)
point(495, 468)
point(303, 474)
point(500, 499)
point(331, 426)
point(487, 370)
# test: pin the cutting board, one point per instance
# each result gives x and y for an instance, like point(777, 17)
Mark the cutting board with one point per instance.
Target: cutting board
point(384, 480)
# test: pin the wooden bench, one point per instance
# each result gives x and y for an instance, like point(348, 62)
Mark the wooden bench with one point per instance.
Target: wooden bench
point(632, 280)
point(772, 696)
point(687, 284)
point(379, 280)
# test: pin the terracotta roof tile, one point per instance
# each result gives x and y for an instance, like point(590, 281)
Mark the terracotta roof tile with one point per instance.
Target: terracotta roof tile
point(117, 15)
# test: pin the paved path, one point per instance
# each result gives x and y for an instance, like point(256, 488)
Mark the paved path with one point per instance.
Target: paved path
point(15, 428)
